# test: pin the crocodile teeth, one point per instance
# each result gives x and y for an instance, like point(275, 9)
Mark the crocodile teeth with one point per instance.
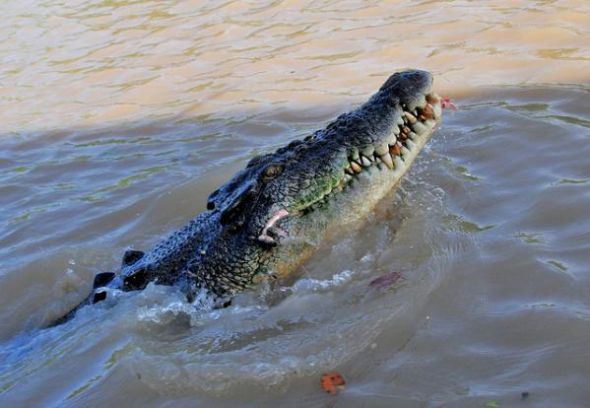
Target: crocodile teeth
point(349, 170)
point(355, 167)
point(386, 158)
point(347, 178)
point(412, 135)
point(365, 161)
point(391, 139)
point(420, 101)
point(419, 128)
point(382, 149)
point(433, 98)
point(428, 111)
point(395, 150)
point(400, 120)
point(368, 151)
point(354, 154)
point(410, 144)
point(411, 118)
point(437, 110)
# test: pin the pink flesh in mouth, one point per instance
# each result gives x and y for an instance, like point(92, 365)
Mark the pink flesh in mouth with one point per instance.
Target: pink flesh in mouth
point(447, 103)
point(264, 237)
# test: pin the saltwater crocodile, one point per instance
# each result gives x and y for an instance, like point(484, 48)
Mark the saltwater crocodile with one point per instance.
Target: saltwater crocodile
point(270, 216)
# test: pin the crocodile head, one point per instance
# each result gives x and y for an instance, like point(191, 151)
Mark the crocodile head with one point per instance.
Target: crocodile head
point(354, 160)
point(270, 215)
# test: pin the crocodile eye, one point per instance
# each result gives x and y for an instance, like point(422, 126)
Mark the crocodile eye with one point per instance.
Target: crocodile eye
point(273, 171)
point(136, 281)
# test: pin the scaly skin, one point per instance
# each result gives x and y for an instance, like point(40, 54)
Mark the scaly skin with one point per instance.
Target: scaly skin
point(270, 216)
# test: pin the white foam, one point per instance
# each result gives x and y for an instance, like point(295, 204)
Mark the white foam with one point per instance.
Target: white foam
point(309, 284)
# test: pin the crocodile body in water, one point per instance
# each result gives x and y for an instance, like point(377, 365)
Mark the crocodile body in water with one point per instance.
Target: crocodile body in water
point(271, 216)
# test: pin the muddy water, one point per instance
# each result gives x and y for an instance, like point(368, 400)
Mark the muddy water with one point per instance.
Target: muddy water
point(117, 120)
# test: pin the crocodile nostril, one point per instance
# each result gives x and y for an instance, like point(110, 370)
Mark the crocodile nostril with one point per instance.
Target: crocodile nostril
point(136, 281)
point(102, 279)
point(99, 297)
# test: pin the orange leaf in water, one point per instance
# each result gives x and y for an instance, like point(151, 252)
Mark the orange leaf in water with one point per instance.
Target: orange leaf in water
point(332, 382)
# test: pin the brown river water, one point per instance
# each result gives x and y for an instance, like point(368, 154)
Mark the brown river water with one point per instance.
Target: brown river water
point(118, 118)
